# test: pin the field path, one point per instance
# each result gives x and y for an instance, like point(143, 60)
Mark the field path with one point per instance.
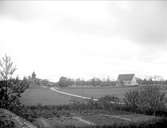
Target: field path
point(74, 95)
point(118, 117)
point(83, 120)
point(69, 94)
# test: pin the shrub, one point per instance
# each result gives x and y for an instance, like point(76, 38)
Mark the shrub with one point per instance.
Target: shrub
point(151, 99)
point(131, 99)
point(10, 88)
point(146, 99)
point(106, 102)
point(109, 98)
point(6, 123)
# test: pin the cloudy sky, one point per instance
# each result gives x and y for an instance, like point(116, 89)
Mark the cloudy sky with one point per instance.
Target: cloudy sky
point(85, 38)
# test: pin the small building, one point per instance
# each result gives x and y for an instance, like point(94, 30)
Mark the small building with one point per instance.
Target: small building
point(126, 80)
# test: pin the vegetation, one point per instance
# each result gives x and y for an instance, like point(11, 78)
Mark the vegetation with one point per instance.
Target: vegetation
point(148, 99)
point(10, 89)
point(32, 113)
point(78, 106)
point(65, 82)
point(96, 82)
point(4, 123)
point(150, 124)
point(103, 106)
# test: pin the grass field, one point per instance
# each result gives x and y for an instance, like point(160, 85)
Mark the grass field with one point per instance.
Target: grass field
point(45, 96)
point(97, 92)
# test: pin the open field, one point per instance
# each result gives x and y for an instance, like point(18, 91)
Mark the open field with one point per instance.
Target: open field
point(97, 92)
point(45, 96)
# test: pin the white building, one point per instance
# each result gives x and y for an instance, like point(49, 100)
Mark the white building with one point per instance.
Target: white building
point(126, 80)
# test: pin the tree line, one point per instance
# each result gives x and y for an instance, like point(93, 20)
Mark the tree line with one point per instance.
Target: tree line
point(65, 82)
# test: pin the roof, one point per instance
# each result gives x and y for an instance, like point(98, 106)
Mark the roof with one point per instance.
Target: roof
point(125, 77)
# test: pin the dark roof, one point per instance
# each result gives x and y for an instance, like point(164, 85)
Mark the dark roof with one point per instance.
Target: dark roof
point(125, 77)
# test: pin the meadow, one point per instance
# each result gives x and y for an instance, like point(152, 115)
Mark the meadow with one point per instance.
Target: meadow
point(97, 92)
point(45, 96)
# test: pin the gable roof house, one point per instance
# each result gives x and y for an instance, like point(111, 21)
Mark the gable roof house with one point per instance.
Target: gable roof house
point(126, 80)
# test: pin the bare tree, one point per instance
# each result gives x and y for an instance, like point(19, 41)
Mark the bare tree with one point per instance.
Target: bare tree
point(7, 68)
point(145, 99)
point(10, 88)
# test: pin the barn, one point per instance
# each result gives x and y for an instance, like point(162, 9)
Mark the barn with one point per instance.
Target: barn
point(126, 80)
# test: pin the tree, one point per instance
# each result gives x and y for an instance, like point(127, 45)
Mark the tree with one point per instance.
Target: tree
point(10, 88)
point(145, 99)
point(131, 99)
point(6, 71)
point(151, 99)
point(6, 67)
point(65, 82)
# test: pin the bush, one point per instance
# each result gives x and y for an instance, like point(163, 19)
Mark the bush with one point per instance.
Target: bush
point(109, 98)
point(106, 102)
point(131, 99)
point(10, 92)
point(148, 99)
point(6, 123)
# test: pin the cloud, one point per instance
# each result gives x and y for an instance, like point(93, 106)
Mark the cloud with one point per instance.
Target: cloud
point(79, 17)
point(20, 10)
point(89, 37)
point(142, 21)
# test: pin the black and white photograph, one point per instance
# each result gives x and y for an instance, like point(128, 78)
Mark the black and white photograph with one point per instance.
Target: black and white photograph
point(83, 64)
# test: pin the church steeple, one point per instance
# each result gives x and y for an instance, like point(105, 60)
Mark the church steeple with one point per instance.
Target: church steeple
point(33, 76)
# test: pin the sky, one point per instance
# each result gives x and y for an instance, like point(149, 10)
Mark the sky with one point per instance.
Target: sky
point(85, 39)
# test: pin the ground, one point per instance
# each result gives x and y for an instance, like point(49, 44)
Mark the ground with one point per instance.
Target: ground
point(95, 117)
point(45, 96)
point(98, 92)
point(16, 120)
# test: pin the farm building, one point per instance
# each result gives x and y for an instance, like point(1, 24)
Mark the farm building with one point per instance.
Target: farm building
point(126, 80)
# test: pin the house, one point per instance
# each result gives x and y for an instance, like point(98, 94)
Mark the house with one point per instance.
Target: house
point(126, 80)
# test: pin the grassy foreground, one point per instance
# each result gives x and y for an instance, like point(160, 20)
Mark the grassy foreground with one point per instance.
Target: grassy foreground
point(69, 116)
